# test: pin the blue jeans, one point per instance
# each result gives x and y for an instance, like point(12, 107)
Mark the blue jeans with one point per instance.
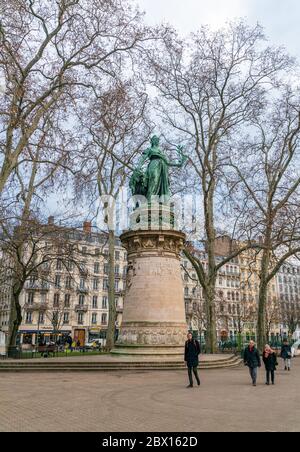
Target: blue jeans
point(253, 373)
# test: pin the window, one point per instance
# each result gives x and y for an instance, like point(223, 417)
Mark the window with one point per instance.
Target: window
point(56, 300)
point(94, 319)
point(57, 281)
point(30, 299)
point(186, 292)
point(117, 255)
point(59, 265)
point(186, 277)
point(67, 300)
point(106, 269)
point(105, 284)
point(117, 270)
point(80, 318)
point(81, 300)
point(41, 318)
point(68, 283)
point(97, 252)
point(104, 319)
point(96, 284)
point(84, 250)
point(29, 318)
point(116, 285)
point(70, 266)
point(82, 284)
point(96, 267)
point(95, 302)
point(66, 318)
point(104, 303)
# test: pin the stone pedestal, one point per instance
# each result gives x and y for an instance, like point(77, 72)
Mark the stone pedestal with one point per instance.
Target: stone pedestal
point(154, 322)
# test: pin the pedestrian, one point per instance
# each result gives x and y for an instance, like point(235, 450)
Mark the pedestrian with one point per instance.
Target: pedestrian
point(270, 360)
point(191, 357)
point(252, 360)
point(286, 355)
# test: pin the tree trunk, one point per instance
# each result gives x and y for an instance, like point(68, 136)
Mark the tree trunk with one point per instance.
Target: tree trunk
point(5, 173)
point(261, 323)
point(111, 329)
point(211, 331)
point(15, 320)
point(209, 291)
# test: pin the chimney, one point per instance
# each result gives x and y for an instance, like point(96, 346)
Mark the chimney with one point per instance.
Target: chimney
point(51, 221)
point(87, 227)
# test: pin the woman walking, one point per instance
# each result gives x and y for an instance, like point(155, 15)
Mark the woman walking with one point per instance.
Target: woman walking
point(270, 360)
point(191, 357)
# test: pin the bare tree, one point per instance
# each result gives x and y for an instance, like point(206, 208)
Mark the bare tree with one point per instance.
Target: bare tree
point(29, 250)
point(290, 316)
point(273, 317)
point(114, 128)
point(50, 52)
point(266, 191)
point(209, 87)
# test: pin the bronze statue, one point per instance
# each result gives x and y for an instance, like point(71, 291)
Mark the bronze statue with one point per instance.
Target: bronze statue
point(155, 181)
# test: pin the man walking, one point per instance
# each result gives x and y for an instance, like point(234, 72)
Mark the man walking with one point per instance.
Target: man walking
point(252, 360)
point(286, 354)
point(191, 357)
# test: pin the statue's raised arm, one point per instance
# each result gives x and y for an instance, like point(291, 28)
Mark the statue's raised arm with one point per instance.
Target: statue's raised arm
point(183, 158)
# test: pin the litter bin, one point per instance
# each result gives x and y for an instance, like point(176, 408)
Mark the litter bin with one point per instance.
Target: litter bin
point(13, 352)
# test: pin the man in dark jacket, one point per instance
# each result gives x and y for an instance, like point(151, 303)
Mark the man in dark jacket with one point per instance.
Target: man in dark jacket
point(286, 355)
point(191, 357)
point(252, 360)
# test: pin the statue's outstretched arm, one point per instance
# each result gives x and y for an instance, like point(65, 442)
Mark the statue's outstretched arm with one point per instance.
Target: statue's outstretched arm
point(183, 159)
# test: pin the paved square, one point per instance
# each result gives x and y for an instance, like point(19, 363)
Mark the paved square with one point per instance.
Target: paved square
point(149, 401)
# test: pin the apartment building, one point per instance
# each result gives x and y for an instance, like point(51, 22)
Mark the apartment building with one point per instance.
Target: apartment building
point(288, 287)
point(70, 298)
point(228, 301)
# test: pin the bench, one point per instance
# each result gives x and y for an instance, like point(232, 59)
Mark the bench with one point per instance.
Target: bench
point(46, 350)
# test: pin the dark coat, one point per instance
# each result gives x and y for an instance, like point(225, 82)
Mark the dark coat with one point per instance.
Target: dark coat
point(270, 361)
point(252, 358)
point(286, 352)
point(192, 352)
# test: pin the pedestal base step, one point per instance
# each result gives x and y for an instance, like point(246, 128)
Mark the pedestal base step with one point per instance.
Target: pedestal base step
point(112, 364)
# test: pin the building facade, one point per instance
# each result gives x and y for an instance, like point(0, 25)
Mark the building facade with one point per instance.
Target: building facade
point(71, 298)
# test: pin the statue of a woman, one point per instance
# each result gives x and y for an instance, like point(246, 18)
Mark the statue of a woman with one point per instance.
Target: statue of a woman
point(155, 182)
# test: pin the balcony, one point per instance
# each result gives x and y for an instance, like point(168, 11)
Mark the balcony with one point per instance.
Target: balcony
point(36, 307)
point(83, 290)
point(37, 287)
point(81, 308)
point(119, 309)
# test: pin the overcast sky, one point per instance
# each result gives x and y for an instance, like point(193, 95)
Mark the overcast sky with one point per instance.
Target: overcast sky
point(281, 18)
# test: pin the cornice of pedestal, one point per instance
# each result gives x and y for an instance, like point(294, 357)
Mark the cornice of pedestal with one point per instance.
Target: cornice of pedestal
point(154, 242)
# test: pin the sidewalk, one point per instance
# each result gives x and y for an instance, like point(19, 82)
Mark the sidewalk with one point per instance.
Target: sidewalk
point(149, 401)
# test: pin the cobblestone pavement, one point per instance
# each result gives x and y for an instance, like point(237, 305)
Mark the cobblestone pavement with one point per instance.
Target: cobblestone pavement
point(149, 401)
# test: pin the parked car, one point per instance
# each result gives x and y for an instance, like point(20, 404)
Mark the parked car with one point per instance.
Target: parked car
point(95, 344)
point(296, 349)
